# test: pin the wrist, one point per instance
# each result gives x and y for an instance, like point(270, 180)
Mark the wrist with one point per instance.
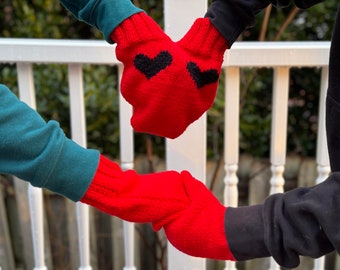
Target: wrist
point(214, 44)
point(245, 232)
point(232, 17)
point(135, 29)
point(104, 183)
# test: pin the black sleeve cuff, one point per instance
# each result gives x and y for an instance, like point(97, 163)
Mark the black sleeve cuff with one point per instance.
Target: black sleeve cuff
point(304, 221)
point(245, 232)
point(232, 17)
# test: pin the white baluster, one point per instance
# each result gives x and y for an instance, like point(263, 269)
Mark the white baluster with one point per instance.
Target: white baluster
point(319, 263)
point(129, 234)
point(129, 231)
point(276, 186)
point(189, 150)
point(279, 116)
point(35, 197)
point(231, 190)
point(279, 133)
point(78, 128)
point(82, 211)
point(127, 157)
point(277, 181)
point(231, 140)
point(229, 265)
point(37, 220)
point(323, 173)
point(231, 198)
point(322, 158)
point(274, 265)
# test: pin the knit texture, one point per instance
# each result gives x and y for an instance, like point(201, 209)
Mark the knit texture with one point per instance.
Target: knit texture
point(199, 229)
point(191, 216)
point(169, 84)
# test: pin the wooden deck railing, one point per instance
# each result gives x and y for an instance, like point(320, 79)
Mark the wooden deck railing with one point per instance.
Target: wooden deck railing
point(187, 152)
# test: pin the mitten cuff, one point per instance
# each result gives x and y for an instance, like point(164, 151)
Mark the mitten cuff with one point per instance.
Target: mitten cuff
point(135, 29)
point(204, 39)
point(133, 197)
point(101, 186)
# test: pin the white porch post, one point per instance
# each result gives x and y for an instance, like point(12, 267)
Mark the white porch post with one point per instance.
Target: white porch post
point(322, 158)
point(189, 150)
point(279, 134)
point(231, 140)
point(126, 158)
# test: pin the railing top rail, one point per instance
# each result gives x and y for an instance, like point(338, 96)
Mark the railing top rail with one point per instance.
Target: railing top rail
point(16, 50)
point(281, 53)
point(268, 54)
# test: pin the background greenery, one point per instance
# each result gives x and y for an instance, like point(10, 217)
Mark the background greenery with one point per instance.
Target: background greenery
point(48, 19)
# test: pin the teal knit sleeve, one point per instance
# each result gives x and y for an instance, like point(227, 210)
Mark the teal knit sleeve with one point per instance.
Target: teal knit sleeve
point(105, 15)
point(40, 153)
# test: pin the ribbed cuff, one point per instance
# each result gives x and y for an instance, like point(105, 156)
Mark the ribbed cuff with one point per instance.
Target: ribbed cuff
point(137, 28)
point(73, 171)
point(204, 38)
point(103, 184)
point(245, 232)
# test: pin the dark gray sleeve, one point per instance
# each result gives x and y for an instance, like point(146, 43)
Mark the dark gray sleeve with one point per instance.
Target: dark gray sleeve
point(232, 17)
point(333, 99)
point(304, 4)
point(304, 221)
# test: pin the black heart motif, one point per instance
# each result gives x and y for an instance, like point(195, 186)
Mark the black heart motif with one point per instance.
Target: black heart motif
point(152, 66)
point(202, 78)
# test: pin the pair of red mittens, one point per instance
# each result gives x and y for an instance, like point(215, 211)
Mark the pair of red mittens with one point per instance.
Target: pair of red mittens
point(169, 84)
point(193, 219)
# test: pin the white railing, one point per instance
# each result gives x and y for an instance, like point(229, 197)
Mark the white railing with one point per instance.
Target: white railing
point(188, 151)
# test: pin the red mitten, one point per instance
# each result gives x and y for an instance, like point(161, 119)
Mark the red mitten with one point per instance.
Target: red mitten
point(199, 229)
point(170, 85)
point(192, 217)
point(133, 197)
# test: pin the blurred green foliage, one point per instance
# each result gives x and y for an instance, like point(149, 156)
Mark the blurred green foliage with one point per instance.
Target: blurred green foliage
point(313, 24)
point(48, 19)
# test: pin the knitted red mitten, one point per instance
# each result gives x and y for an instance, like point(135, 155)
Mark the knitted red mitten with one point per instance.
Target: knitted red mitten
point(133, 197)
point(169, 85)
point(199, 229)
point(192, 217)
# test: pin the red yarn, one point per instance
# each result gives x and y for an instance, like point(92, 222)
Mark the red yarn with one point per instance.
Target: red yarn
point(191, 216)
point(169, 84)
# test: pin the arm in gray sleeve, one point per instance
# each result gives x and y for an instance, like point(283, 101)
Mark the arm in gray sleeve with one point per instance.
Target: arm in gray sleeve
point(304, 221)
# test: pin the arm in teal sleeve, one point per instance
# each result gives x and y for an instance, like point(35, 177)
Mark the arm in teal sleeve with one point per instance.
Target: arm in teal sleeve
point(39, 152)
point(105, 15)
